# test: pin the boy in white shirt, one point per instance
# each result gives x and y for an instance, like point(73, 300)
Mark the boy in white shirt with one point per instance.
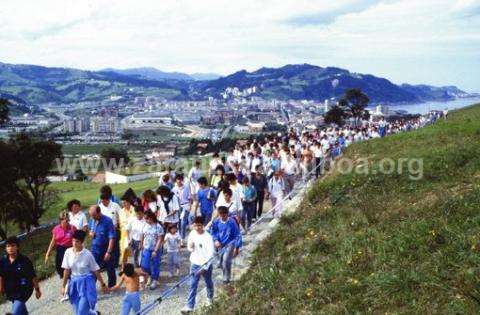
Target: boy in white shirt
point(200, 245)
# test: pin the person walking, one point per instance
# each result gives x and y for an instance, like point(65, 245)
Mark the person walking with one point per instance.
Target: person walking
point(206, 197)
point(62, 235)
point(125, 215)
point(184, 196)
point(76, 216)
point(227, 240)
point(260, 182)
point(103, 237)
point(80, 266)
point(131, 301)
point(248, 203)
point(134, 234)
point(168, 207)
point(200, 245)
point(152, 248)
point(112, 210)
point(276, 187)
point(17, 277)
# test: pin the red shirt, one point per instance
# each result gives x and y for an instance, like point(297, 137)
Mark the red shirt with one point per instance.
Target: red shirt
point(63, 237)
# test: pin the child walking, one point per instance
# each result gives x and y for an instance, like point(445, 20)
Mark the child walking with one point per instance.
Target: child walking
point(152, 245)
point(173, 241)
point(131, 300)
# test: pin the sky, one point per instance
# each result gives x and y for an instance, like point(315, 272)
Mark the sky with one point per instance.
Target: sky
point(416, 41)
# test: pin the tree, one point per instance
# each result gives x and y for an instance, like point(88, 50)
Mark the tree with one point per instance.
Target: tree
point(4, 111)
point(354, 103)
point(34, 159)
point(8, 188)
point(335, 116)
point(119, 156)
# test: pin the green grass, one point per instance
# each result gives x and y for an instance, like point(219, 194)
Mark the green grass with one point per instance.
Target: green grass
point(77, 149)
point(379, 243)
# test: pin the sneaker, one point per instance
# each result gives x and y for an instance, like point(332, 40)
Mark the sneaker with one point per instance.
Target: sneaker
point(153, 285)
point(186, 310)
point(64, 298)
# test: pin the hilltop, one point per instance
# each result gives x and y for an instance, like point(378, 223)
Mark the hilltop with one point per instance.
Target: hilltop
point(37, 84)
point(379, 243)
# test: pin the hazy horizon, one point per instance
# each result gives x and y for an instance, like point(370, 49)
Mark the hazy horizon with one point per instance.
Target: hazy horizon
point(405, 41)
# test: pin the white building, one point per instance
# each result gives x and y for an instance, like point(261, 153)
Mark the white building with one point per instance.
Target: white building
point(99, 124)
point(148, 121)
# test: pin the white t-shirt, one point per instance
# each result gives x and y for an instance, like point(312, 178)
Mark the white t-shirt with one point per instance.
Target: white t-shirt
point(202, 245)
point(112, 211)
point(290, 167)
point(173, 242)
point(151, 235)
point(81, 263)
point(173, 205)
point(78, 220)
point(255, 162)
point(232, 206)
point(135, 228)
point(276, 187)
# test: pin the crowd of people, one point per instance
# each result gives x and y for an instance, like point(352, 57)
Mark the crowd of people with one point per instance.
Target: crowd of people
point(206, 211)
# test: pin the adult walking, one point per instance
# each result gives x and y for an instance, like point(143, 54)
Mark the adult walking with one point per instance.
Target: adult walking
point(76, 217)
point(129, 199)
point(80, 265)
point(200, 245)
point(260, 182)
point(103, 236)
point(62, 240)
point(112, 210)
point(17, 277)
point(248, 203)
point(62, 235)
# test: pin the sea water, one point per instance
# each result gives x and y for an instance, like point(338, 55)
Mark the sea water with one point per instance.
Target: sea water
point(423, 108)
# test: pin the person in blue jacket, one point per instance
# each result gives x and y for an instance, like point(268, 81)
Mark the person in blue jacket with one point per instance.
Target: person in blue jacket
point(103, 237)
point(227, 238)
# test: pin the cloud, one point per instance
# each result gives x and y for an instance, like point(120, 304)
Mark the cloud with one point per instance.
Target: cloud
point(467, 8)
point(224, 36)
point(329, 15)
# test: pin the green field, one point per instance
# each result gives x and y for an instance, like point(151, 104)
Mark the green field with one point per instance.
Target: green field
point(77, 149)
point(379, 243)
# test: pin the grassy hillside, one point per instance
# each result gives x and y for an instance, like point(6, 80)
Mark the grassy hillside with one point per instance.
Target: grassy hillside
point(379, 243)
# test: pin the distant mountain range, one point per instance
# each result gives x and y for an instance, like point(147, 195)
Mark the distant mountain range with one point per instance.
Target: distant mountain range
point(155, 74)
point(37, 84)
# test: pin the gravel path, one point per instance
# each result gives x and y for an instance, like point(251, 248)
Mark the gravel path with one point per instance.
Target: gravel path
point(111, 303)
